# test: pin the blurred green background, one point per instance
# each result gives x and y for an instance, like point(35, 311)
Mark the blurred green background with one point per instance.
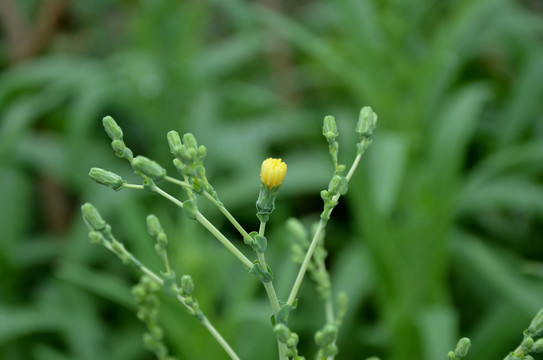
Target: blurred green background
point(440, 235)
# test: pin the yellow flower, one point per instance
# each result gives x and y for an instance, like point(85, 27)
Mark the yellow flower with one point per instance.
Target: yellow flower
point(273, 172)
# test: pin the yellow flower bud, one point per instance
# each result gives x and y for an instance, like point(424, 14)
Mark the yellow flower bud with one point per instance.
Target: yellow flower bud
point(273, 172)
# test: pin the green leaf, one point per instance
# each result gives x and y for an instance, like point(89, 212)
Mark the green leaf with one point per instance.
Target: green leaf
point(387, 164)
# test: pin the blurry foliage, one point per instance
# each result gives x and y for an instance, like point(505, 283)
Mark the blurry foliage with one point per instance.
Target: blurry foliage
point(439, 237)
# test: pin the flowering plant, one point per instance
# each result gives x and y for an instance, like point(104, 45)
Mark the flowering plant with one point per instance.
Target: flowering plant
point(309, 250)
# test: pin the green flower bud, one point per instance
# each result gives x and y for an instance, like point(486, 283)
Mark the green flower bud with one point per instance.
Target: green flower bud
point(338, 184)
point(162, 239)
point(95, 237)
point(112, 129)
point(149, 185)
point(282, 332)
point(92, 217)
point(462, 347)
point(293, 340)
point(187, 286)
point(326, 196)
point(149, 168)
point(202, 151)
point(153, 225)
point(327, 335)
point(451, 355)
point(329, 130)
point(173, 140)
point(119, 250)
point(183, 154)
point(107, 178)
point(190, 141)
point(330, 350)
point(536, 326)
point(121, 150)
point(179, 166)
point(527, 343)
point(538, 346)
point(367, 121)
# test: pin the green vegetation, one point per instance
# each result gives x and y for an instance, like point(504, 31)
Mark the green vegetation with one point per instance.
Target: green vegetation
point(439, 236)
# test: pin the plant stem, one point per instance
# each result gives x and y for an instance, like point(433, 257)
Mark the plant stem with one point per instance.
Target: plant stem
point(330, 318)
point(179, 182)
point(305, 263)
point(133, 186)
point(219, 339)
point(268, 286)
point(272, 295)
point(212, 229)
point(354, 166)
point(314, 241)
point(205, 322)
point(227, 214)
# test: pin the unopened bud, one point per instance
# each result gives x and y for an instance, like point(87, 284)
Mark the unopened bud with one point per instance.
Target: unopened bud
point(293, 340)
point(282, 332)
point(149, 168)
point(462, 347)
point(107, 178)
point(326, 336)
point(338, 185)
point(187, 286)
point(536, 326)
point(92, 217)
point(95, 237)
point(538, 346)
point(527, 343)
point(121, 150)
point(173, 140)
point(367, 121)
point(329, 129)
point(190, 141)
point(153, 225)
point(112, 129)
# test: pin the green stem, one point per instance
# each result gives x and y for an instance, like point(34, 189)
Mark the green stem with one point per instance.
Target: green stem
point(167, 265)
point(179, 182)
point(314, 241)
point(220, 339)
point(305, 263)
point(227, 214)
point(205, 322)
point(330, 319)
point(212, 229)
point(133, 186)
point(272, 295)
point(268, 286)
point(214, 201)
point(354, 166)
